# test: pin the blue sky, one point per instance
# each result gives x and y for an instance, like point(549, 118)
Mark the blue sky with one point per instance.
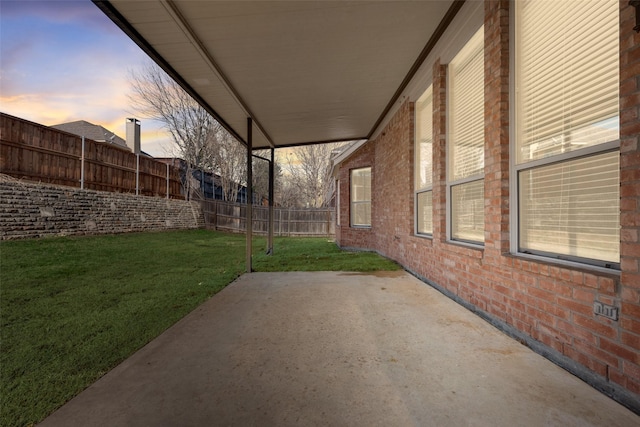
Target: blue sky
point(64, 60)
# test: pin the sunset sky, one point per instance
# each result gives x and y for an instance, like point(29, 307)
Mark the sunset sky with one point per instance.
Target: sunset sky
point(63, 61)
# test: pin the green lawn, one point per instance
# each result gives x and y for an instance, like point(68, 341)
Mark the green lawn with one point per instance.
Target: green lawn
point(73, 308)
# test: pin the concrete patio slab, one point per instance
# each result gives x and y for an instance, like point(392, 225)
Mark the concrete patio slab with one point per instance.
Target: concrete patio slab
point(337, 349)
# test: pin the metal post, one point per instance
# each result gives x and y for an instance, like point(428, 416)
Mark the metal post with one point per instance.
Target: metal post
point(167, 180)
point(82, 167)
point(137, 174)
point(271, 201)
point(249, 193)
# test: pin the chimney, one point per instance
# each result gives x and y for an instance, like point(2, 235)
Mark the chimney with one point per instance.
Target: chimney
point(133, 134)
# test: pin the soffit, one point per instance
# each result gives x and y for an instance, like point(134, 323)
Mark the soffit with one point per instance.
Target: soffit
point(304, 71)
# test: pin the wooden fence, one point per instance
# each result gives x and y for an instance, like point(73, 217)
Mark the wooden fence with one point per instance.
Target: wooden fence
point(39, 153)
point(228, 216)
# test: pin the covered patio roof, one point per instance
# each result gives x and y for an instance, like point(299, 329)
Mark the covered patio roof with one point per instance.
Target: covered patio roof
point(305, 72)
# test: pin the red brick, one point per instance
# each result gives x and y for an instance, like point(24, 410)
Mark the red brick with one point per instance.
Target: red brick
point(584, 295)
point(554, 309)
point(632, 310)
point(630, 295)
point(553, 286)
point(629, 265)
point(631, 369)
point(542, 294)
point(620, 351)
point(616, 376)
point(631, 340)
point(633, 386)
point(606, 284)
point(576, 306)
point(578, 332)
point(591, 280)
point(596, 366)
point(548, 340)
point(597, 326)
point(596, 353)
point(630, 279)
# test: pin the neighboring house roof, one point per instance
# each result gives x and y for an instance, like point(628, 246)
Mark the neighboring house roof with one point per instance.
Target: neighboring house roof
point(91, 131)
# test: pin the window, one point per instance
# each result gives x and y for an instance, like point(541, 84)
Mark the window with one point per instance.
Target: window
point(567, 130)
point(465, 142)
point(424, 163)
point(337, 202)
point(361, 197)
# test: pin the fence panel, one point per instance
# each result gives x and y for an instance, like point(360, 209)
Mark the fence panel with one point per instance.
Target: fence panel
point(38, 153)
point(227, 216)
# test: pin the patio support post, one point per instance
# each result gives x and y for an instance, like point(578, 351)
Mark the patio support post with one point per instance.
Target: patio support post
point(271, 201)
point(249, 193)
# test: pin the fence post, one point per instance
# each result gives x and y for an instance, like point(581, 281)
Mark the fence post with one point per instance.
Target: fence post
point(82, 166)
point(167, 180)
point(137, 173)
point(328, 222)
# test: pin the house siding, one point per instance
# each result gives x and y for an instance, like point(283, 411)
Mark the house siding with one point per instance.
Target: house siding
point(547, 305)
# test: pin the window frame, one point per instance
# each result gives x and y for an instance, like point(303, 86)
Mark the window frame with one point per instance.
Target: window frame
point(450, 182)
point(427, 95)
point(359, 202)
point(337, 184)
point(515, 170)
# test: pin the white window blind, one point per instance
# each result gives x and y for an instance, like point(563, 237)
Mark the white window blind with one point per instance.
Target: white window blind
point(567, 96)
point(465, 141)
point(572, 208)
point(467, 211)
point(337, 202)
point(466, 110)
point(424, 140)
point(361, 197)
point(424, 163)
point(424, 212)
point(567, 75)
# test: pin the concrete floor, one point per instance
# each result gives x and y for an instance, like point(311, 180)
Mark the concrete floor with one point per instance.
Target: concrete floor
point(338, 349)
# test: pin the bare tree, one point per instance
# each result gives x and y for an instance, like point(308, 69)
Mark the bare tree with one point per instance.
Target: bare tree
point(261, 174)
point(308, 173)
point(200, 140)
point(228, 160)
point(288, 195)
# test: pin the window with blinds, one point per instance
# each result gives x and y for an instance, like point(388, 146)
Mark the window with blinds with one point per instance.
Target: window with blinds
point(361, 197)
point(567, 129)
point(572, 207)
point(424, 162)
point(338, 202)
point(467, 207)
point(465, 141)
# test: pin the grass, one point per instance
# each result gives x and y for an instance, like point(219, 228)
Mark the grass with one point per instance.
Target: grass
point(73, 308)
point(317, 254)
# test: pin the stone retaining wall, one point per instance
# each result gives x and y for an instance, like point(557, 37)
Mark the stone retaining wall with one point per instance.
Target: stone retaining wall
point(29, 210)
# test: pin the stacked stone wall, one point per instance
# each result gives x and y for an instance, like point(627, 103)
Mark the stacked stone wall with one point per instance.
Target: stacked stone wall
point(30, 210)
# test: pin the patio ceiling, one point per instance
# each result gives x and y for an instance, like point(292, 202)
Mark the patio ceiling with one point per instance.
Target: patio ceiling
point(305, 71)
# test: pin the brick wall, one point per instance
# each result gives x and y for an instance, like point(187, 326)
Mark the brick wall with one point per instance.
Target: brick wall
point(547, 305)
point(39, 210)
point(357, 237)
point(628, 373)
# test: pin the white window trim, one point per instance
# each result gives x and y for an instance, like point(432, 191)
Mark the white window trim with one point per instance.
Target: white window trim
point(515, 169)
point(428, 188)
point(453, 183)
point(337, 183)
point(352, 202)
